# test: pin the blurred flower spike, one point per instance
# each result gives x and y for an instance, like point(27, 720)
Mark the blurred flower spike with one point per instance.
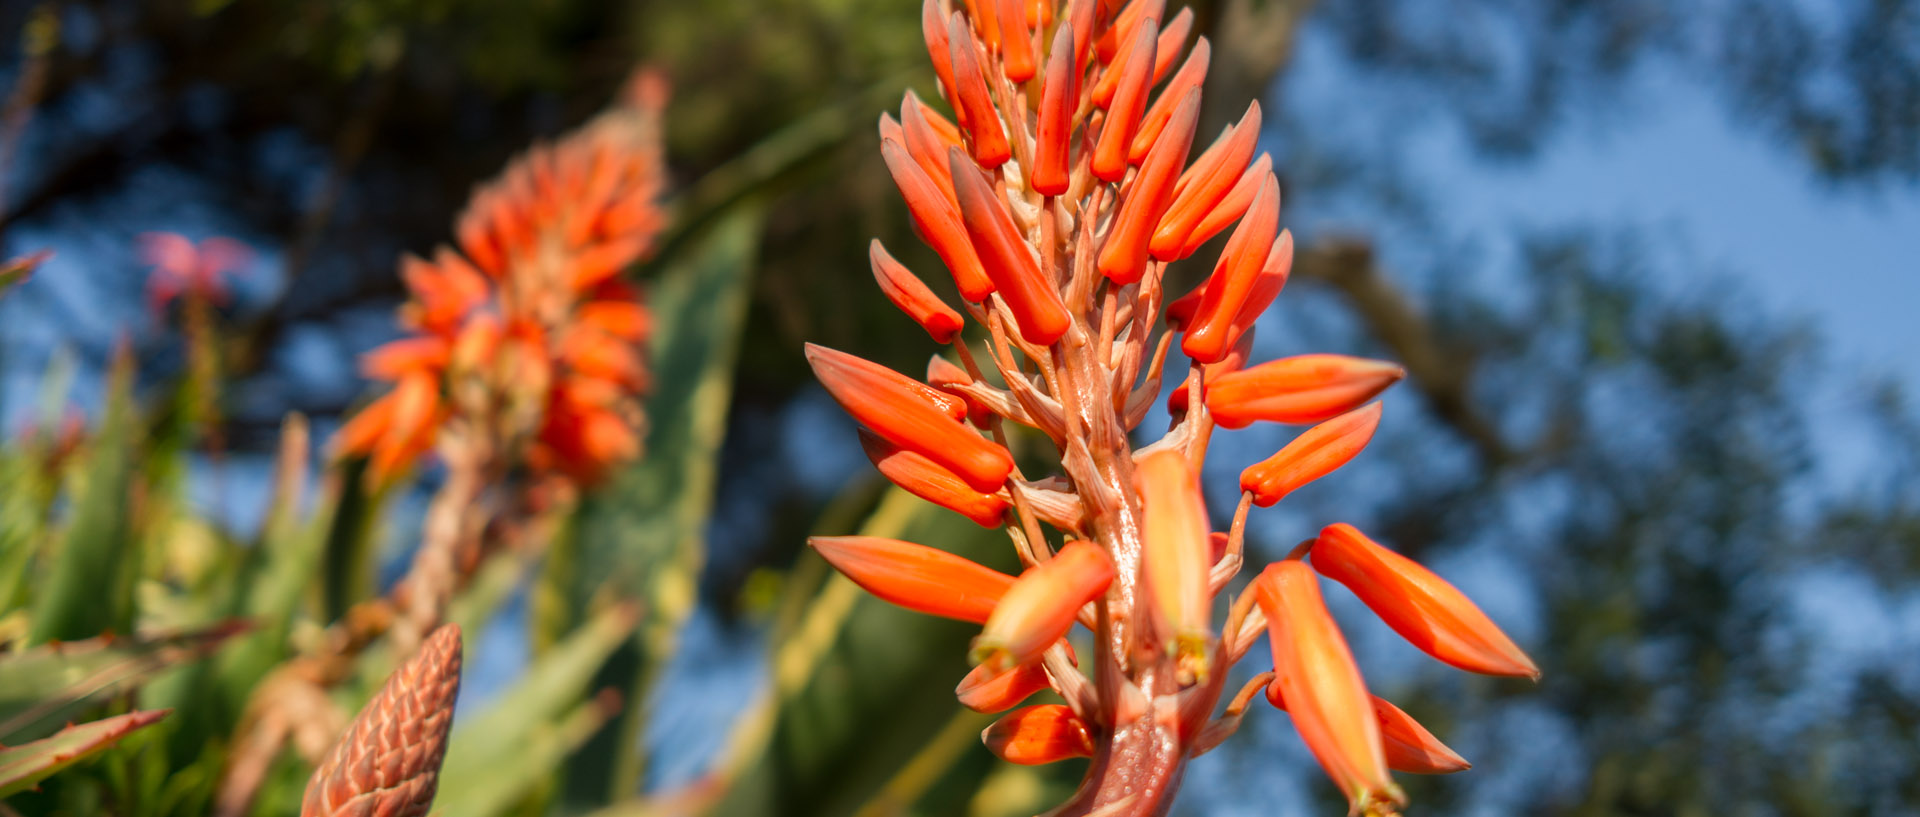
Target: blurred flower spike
point(523, 340)
point(182, 268)
point(1055, 198)
point(16, 271)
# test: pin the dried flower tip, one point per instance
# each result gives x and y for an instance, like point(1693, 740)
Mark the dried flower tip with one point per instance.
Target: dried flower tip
point(1204, 185)
point(1321, 685)
point(1130, 84)
point(1235, 278)
point(1408, 746)
point(1037, 735)
point(388, 760)
point(987, 690)
point(1123, 258)
point(1310, 456)
point(1175, 555)
point(926, 479)
point(912, 296)
point(1052, 147)
point(1031, 297)
point(917, 577)
point(912, 415)
point(981, 121)
point(1042, 605)
point(1191, 75)
point(1423, 608)
point(1016, 43)
point(1299, 389)
point(937, 219)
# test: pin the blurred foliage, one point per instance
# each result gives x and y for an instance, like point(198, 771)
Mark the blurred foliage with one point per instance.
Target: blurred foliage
point(1647, 472)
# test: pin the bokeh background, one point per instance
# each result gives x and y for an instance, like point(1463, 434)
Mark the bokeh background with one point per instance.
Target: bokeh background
point(1654, 268)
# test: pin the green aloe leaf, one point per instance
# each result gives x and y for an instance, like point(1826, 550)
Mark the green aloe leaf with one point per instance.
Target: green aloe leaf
point(23, 766)
point(861, 689)
point(645, 534)
point(41, 686)
point(90, 573)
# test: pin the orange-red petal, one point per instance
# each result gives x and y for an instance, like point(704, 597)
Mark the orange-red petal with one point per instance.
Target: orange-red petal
point(987, 690)
point(1212, 331)
point(1192, 74)
point(1123, 258)
point(912, 415)
point(1052, 147)
point(1038, 734)
point(1042, 605)
point(982, 123)
point(917, 577)
point(937, 219)
point(1310, 456)
point(1130, 84)
point(1175, 553)
point(1408, 746)
point(932, 482)
point(912, 296)
point(1009, 262)
point(1299, 389)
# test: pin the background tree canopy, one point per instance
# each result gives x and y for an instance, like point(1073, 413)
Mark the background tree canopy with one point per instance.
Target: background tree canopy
point(1701, 520)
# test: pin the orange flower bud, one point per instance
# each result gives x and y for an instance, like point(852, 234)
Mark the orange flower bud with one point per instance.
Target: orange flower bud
point(917, 577)
point(1125, 25)
point(927, 144)
point(948, 132)
point(1175, 554)
point(933, 27)
point(1312, 455)
point(1130, 84)
point(1123, 258)
point(622, 319)
point(985, 690)
point(989, 140)
point(930, 481)
point(1209, 372)
point(986, 18)
point(1173, 40)
point(1192, 73)
point(890, 129)
point(1180, 310)
point(1042, 605)
point(937, 219)
point(1205, 184)
point(604, 260)
point(1422, 607)
point(1081, 15)
point(1407, 745)
point(1211, 332)
point(1038, 734)
point(1057, 98)
point(912, 415)
point(1231, 206)
point(943, 375)
point(396, 359)
point(1299, 389)
point(912, 296)
point(1321, 685)
point(1016, 43)
point(1009, 262)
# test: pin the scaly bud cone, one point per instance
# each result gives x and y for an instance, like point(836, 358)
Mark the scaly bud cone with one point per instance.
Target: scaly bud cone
point(1407, 745)
point(1231, 206)
point(926, 479)
point(1123, 258)
point(1310, 456)
point(1299, 389)
point(987, 690)
point(912, 296)
point(1038, 734)
point(916, 577)
point(912, 415)
point(1204, 185)
point(388, 760)
point(1321, 685)
point(1129, 100)
point(1423, 608)
point(1009, 262)
point(933, 27)
point(1175, 555)
point(938, 221)
point(1053, 144)
point(988, 139)
point(1016, 44)
point(1191, 75)
point(1211, 332)
point(1042, 605)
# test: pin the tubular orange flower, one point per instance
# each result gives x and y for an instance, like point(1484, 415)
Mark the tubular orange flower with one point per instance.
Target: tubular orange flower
point(988, 139)
point(1299, 389)
point(1408, 746)
point(1204, 185)
point(1211, 332)
point(912, 415)
point(1173, 40)
point(1127, 100)
point(1157, 117)
point(987, 690)
point(1233, 362)
point(1057, 98)
point(1422, 607)
point(1321, 685)
point(1176, 554)
point(1124, 257)
point(1036, 735)
point(926, 479)
point(937, 219)
point(928, 145)
point(1041, 606)
point(917, 577)
point(933, 27)
point(912, 296)
point(1034, 301)
point(1231, 206)
point(1310, 456)
point(1016, 46)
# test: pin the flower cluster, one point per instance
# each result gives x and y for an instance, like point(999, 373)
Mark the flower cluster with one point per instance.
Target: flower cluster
point(183, 268)
point(524, 338)
point(1056, 202)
